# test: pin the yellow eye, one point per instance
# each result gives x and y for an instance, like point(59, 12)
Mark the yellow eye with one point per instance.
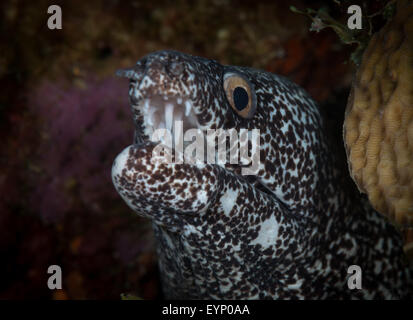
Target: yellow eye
point(240, 95)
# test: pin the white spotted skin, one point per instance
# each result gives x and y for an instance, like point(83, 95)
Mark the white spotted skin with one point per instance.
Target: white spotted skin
point(228, 201)
point(289, 232)
point(268, 233)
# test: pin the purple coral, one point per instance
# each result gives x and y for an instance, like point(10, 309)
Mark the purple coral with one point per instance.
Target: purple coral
point(83, 129)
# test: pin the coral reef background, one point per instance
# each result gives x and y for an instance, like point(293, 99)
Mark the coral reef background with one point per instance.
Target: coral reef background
point(64, 117)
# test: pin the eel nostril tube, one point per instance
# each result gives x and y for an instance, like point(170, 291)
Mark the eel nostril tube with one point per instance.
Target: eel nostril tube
point(130, 73)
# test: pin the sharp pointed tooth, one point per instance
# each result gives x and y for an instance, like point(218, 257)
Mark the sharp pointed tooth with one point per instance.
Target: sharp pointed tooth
point(150, 119)
point(151, 115)
point(146, 105)
point(178, 134)
point(169, 115)
point(179, 100)
point(188, 107)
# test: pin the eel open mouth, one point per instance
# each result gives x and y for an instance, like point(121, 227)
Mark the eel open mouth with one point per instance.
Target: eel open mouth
point(162, 112)
point(176, 114)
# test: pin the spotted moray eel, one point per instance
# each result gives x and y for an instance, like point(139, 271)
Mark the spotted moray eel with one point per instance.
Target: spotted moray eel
point(291, 231)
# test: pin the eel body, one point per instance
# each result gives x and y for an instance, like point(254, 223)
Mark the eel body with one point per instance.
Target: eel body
point(289, 231)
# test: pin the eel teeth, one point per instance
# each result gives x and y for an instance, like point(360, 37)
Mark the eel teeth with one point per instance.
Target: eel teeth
point(151, 116)
point(188, 107)
point(146, 105)
point(163, 112)
point(169, 115)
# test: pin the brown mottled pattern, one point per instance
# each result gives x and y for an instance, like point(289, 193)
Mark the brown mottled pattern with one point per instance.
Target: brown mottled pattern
point(290, 232)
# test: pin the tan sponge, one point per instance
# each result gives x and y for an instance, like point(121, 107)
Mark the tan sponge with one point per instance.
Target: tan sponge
point(378, 126)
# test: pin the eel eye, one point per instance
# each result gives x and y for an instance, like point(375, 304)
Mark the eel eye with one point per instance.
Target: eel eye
point(240, 95)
